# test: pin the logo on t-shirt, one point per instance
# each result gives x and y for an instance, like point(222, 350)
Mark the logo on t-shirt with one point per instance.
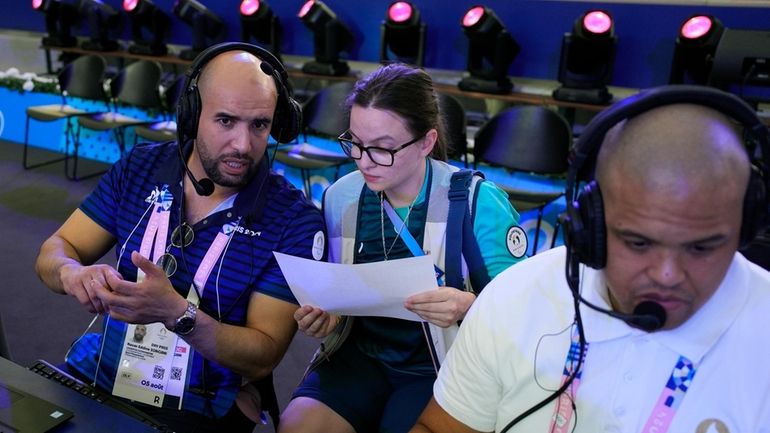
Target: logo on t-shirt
point(319, 242)
point(712, 426)
point(516, 241)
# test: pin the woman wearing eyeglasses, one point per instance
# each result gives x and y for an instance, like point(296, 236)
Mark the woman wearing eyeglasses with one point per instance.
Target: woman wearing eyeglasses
point(376, 373)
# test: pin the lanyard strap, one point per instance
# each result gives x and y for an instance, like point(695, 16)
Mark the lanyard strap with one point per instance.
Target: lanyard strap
point(214, 253)
point(662, 414)
point(407, 237)
point(671, 396)
point(157, 227)
point(409, 240)
point(564, 410)
point(154, 241)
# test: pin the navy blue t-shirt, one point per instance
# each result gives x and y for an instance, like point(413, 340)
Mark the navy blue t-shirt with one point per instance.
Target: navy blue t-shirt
point(273, 215)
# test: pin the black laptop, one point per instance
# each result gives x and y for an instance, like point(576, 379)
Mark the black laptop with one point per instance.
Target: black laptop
point(21, 412)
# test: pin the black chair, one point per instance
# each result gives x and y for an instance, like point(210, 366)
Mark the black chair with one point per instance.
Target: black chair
point(324, 115)
point(135, 85)
point(257, 398)
point(81, 78)
point(529, 139)
point(164, 130)
point(4, 351)
point(456, 131)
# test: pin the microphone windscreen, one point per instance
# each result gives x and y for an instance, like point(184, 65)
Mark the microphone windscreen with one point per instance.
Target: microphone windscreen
point(206, 187)
point(650, 316)
point(267, 68)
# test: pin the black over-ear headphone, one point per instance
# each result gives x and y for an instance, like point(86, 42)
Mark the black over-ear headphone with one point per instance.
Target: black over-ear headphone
point(585, 230)
point(287, 119)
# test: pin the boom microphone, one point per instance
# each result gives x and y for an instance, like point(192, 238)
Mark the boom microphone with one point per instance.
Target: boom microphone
point(205, 186)
point(648, 315)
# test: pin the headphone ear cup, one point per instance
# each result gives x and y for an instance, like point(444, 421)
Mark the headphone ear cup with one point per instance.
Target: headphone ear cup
point(593, 248)
point(188, 114)
point(288, 121)
point(755, 211)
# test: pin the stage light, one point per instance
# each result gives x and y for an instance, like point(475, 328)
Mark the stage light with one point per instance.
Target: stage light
point(742, 65)
point(402, 34)
point(694, 49)
point(491, 50)
point(207, 27)
point(59, 19)
point(330, 38)
point(587, 58)
point(259, 22)
point(149, 27)
point(104, 24)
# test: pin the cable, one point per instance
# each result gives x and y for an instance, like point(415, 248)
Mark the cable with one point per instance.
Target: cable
point(107, 317)
point(537, 350)
point(571, 271)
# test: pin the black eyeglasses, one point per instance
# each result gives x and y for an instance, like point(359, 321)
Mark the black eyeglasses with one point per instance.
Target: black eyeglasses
point(181, 237)
point(378, 155)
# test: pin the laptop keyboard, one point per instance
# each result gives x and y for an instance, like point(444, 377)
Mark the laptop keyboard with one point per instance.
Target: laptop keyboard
point(54, 373)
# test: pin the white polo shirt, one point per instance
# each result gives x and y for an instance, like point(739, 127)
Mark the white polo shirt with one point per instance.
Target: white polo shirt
point(512, 346)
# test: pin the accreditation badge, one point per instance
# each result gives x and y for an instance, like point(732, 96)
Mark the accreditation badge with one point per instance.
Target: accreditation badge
point(151, 365)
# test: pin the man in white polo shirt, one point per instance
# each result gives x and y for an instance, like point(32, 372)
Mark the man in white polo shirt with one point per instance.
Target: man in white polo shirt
point(675, 336)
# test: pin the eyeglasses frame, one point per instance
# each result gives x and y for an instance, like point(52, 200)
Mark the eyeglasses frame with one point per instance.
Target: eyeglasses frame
point(342, 140)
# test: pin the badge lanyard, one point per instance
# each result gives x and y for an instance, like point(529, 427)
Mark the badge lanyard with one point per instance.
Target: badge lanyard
point(409, 240)
point(149, 371)
point(662, 414)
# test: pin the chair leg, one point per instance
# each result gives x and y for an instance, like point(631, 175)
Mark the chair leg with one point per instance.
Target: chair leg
point(266, 390)
point(25, 156)
point(337, 172)
point(555, 232)
point(75, 176)
point(120, 138)
point(537, 228)
point(306, 182)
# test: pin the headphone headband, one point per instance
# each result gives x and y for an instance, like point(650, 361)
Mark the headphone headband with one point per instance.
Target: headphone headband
point(288, 113)
point(585, 231)
point(193, 72)
point(587, 146)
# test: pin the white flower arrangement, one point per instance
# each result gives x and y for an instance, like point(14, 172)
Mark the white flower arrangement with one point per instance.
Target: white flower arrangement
point(13, 79)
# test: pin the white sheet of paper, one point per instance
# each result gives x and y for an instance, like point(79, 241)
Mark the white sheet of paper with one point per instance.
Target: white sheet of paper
point(367, 289)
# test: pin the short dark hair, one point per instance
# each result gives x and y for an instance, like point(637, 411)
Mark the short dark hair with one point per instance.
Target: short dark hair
point(408, 92)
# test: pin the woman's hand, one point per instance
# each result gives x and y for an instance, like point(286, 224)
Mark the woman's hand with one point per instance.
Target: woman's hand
point(441, 307)
point(315, 322)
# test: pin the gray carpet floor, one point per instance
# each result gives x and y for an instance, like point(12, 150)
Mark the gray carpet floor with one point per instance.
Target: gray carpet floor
point(38, 323)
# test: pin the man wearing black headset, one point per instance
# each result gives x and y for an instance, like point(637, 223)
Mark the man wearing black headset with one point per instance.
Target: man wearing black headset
point(194, 223)
point(673, 209)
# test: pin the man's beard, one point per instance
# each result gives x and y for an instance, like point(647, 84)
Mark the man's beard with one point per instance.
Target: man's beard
point(211, 167)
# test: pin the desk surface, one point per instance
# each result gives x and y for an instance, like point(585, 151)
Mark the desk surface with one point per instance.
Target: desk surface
point(90, 416)
point(121, 53)
point(294, 71)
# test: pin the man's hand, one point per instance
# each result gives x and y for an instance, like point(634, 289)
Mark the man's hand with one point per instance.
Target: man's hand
point(151, 300)
point(442, 307)
point(87, 283)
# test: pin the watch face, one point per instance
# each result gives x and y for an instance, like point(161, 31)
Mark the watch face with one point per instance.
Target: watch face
point(184, 325)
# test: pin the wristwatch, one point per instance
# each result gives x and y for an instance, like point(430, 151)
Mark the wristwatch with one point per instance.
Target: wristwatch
point(186, 322)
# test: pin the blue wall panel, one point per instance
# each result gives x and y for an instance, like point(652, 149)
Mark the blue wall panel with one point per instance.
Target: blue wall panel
point(646, 32)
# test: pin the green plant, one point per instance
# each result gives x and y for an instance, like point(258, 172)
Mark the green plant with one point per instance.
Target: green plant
point(17, 84)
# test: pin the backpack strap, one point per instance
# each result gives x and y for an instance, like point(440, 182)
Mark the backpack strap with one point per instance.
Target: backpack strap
point(460, 239)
